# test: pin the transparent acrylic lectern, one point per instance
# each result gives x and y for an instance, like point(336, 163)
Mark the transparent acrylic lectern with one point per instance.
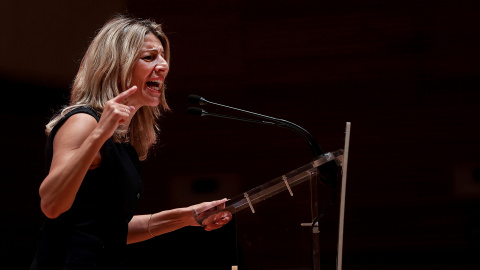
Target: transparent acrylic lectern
point(285, 182)
point(272, 187)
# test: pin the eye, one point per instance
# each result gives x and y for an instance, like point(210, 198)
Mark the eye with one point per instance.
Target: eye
point(148, 57)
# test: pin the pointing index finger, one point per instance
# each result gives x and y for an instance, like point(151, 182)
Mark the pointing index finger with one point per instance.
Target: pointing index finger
point(125, 94)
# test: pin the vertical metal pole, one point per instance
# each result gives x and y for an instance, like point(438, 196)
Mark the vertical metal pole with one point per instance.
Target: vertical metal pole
point(342, 200)
point(314, 226)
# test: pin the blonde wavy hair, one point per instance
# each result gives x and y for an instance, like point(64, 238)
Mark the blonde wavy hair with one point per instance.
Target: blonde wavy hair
point(106, 71)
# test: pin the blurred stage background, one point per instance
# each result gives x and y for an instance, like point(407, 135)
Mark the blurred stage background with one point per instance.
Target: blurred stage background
point(405, 73)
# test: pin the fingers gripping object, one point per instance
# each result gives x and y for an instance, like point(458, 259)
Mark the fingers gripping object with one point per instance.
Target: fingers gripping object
point(211, 218)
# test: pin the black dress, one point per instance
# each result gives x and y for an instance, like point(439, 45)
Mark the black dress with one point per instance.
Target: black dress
point(92, 234)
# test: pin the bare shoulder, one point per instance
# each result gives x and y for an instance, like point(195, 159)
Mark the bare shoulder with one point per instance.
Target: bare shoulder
point(74, 131)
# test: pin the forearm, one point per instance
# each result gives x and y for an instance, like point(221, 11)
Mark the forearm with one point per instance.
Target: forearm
point(59, 188)
point(143, 227)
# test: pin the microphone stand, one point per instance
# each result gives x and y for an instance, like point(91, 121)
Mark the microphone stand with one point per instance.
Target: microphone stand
point(313, 145)
point(327, 172)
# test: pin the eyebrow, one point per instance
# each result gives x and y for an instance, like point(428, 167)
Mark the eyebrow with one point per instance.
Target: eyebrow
point(155, 49)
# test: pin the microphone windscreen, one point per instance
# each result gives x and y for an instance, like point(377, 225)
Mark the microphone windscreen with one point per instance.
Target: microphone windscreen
point(194, 99)
point(195, 111)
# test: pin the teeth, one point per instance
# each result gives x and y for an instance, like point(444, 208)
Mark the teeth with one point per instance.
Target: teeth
point(155, 85)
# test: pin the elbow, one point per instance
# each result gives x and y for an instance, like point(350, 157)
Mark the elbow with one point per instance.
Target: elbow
point(50, 207)
point(50, 210)
point(54, 202)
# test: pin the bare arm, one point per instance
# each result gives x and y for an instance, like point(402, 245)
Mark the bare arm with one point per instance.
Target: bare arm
point(160, 223)
point(143, 227)
point(76, 149)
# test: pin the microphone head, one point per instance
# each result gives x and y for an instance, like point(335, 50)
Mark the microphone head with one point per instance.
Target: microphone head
point(195, 111)
point(197, 99)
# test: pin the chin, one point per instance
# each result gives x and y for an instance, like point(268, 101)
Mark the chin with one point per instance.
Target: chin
point(152, 100)
point(154, 103)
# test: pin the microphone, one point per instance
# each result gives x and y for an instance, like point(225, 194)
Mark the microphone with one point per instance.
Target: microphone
point(197, 100)
point(200, 112)
point(196, 111)
point(314, 147)
point(327, 172)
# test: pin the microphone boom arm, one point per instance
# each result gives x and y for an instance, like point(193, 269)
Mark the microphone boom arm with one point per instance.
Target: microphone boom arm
point(314, 148)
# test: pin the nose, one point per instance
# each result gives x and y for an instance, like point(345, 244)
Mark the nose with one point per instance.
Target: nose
point(161, 66)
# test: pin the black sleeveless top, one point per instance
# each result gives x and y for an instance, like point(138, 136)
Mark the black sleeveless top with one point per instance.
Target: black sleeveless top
point(92, 234)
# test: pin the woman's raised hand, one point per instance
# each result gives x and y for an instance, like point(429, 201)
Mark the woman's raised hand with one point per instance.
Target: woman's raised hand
point(116, 113)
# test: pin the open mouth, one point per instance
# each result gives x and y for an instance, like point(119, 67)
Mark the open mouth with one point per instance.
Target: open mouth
point(153, 85)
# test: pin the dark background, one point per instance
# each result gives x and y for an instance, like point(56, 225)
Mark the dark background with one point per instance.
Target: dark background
point(404, 73)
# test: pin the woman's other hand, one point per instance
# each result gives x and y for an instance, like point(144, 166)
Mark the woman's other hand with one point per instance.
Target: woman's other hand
point(206, 211)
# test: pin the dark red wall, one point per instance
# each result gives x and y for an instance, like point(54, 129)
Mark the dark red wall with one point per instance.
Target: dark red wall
point(404, 73)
